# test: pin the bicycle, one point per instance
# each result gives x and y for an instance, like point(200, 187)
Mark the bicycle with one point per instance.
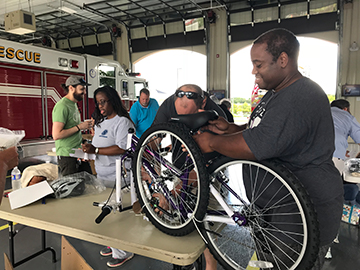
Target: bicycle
point(249, 213)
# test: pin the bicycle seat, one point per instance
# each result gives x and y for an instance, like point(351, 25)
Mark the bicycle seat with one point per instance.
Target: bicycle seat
point(197, 120)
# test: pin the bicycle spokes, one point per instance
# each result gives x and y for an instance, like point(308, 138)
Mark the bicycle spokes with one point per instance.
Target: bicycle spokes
point(256, 217)
point(169, 165)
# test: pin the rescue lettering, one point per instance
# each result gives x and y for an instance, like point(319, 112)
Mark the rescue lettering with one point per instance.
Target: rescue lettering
point(20, 55)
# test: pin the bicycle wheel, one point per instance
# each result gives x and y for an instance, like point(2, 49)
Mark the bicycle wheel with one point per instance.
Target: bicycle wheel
point(274, 224)
point(171, 179)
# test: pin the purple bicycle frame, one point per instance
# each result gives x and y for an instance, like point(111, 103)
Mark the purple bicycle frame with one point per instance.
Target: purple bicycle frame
point(180, 174)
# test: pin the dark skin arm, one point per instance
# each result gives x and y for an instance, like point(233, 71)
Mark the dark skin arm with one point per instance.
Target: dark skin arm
point(232, 145)
point(108, 151)
point(221, 126)
point(230, 142)
point(8, 160)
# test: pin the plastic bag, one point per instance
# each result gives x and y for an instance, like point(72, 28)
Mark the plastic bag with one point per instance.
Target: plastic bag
point(76, 184)
point(353, 165)
point(9, 138)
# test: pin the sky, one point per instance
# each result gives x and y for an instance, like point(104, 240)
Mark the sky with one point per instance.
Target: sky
point(169, 69)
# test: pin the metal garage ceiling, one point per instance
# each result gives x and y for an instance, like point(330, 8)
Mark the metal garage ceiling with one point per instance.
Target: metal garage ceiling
point(75, 18)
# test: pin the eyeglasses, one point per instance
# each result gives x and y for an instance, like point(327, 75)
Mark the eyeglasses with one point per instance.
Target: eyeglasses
point(102, 103)
point(189, 95)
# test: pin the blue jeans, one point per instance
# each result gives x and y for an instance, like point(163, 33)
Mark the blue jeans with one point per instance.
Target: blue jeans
point(351, 193)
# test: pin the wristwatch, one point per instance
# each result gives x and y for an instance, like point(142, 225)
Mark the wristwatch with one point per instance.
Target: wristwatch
point(96, 150)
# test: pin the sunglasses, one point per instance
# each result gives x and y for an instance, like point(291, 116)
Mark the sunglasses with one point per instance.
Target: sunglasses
point(189, 95)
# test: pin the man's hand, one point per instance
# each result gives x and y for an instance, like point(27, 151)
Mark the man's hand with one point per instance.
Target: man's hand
point(203, 140)
point(218, 126)
point(87, 124)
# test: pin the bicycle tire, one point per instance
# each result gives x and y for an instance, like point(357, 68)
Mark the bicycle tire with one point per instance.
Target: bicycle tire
point(281, 226)
point(184, 203)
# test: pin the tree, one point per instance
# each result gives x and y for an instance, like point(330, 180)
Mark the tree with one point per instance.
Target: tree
point(246, 109)
point(331, 98)
point(239, 100)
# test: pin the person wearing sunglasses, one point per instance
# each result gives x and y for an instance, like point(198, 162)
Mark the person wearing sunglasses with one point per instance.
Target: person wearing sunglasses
point(187, 99)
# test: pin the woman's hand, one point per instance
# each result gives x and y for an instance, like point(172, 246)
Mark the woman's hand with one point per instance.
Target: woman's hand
point(88, 148)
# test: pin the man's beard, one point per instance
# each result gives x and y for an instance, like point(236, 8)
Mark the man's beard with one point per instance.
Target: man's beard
point(78, 97)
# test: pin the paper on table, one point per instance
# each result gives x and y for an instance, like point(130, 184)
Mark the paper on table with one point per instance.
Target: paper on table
point(80, 154)
point(24, 196)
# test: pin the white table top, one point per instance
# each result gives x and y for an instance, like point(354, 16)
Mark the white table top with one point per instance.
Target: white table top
point(350, 178)
point(75, 217)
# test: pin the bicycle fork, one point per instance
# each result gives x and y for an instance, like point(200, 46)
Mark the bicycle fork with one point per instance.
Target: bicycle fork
point(232, 216)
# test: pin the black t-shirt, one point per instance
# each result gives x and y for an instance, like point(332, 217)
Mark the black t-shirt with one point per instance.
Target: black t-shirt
point(295, 127)
point(167, 110)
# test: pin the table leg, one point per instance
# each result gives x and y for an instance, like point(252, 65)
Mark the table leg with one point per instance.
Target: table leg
point(43, 243)
point(11, 242)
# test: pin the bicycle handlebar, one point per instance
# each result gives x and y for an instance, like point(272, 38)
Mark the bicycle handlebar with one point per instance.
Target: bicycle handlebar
point(105, 211)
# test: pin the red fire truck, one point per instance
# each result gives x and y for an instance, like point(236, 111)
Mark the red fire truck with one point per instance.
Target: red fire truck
point(30, 79)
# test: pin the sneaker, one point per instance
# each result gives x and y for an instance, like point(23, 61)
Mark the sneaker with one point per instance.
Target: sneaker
point(117, 262)
point(106, 251)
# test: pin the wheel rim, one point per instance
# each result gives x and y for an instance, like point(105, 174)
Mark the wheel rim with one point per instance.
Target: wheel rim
point(258, 234)
point(184, 202)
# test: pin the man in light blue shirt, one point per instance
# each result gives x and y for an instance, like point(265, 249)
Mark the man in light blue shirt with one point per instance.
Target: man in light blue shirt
point(345, 125)
point(143, 112)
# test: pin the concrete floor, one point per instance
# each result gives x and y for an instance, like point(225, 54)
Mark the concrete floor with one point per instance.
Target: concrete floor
point(345, 254)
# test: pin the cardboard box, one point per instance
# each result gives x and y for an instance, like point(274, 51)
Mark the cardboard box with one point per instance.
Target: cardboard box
point(351, 214)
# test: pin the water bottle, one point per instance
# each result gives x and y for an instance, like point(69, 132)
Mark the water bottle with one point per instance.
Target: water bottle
point(15, 179)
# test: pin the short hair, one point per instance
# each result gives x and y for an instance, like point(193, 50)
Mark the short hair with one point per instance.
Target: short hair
point(340, 103)
point(66, 88)
point(198, 90)
point(280, 40)
point(226, 103)
point(145, 91)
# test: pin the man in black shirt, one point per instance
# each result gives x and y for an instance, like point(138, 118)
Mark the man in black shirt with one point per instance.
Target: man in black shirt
point(188, 99)
point(291, 124)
